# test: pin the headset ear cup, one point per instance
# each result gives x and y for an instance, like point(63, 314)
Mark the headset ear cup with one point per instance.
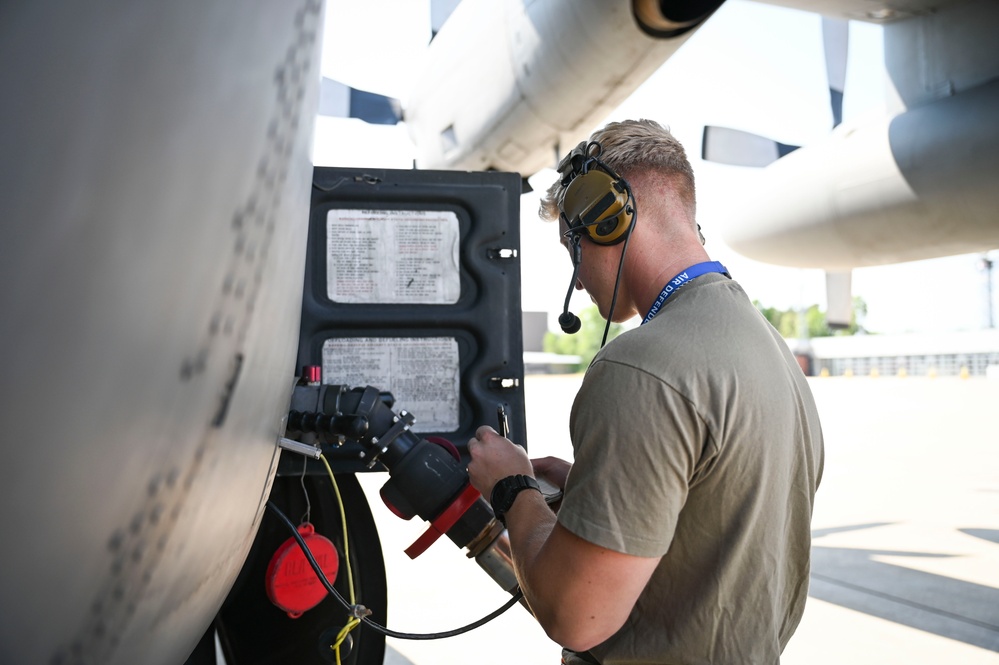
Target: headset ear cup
point(598, 202)
point(612, 230)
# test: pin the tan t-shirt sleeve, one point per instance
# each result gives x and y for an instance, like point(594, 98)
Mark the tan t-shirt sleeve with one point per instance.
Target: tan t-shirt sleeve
point(637, 446)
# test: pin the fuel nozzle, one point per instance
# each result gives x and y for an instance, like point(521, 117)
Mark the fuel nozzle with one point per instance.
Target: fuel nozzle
point(426, 475)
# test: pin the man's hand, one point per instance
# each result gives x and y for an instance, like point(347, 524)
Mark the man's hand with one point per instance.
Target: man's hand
point(553, 469)
point(494, 458)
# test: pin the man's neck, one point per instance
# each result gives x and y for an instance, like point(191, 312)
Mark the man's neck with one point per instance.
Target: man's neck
point(656, 278)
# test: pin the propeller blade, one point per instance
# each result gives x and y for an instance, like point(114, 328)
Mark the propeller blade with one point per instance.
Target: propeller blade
point(836, 43)
point(341, 101)
point(738, 148)
point(725, 145)
point(440, 10)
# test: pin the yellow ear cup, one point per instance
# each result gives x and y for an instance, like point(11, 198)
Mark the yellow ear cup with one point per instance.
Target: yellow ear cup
point(597, 202)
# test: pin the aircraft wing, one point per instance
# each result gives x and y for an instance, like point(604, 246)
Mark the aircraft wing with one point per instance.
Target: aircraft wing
point(914, 184)
point(865, 10)
point(508, 85)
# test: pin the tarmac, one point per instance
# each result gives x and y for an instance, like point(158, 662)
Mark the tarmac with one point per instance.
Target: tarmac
point(905, 555)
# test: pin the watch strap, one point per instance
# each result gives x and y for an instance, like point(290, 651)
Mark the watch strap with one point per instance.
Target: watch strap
point(505, 492)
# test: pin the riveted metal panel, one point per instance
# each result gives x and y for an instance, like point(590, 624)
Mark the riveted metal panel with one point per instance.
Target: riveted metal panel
point(363, 324)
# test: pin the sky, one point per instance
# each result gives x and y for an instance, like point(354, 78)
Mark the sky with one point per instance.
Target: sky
point(751, 66)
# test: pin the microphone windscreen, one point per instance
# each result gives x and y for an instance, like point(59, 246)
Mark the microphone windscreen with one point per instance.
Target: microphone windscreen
point(569, 322)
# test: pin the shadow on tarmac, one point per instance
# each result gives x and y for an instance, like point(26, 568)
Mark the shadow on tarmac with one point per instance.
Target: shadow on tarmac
point(952, 608)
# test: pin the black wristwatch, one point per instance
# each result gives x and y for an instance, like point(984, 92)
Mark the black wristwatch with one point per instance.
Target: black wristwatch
point(506, 490)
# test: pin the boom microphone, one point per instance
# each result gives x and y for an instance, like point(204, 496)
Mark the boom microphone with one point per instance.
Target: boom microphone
point(569, 322)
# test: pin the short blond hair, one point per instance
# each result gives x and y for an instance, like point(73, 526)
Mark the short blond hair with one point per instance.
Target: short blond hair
point(629, 146)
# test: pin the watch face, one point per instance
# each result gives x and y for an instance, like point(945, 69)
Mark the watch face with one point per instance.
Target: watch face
point(502, 496)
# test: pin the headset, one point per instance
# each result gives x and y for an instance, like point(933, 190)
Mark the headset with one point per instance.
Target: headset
point(597, 203)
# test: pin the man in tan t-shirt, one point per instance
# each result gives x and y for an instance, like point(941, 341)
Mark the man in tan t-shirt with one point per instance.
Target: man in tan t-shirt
point(683, 532)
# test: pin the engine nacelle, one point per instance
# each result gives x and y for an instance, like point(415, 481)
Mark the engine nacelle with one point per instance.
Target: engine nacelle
point(916, 186)
point(509, 83)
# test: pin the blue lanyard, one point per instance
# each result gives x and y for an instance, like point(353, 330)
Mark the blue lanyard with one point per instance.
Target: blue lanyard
point(671, 287)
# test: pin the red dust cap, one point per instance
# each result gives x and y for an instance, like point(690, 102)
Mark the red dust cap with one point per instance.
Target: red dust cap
point(291, 583)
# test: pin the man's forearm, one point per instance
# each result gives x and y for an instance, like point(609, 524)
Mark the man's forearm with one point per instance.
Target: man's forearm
point(580, 593)
point(530, 522)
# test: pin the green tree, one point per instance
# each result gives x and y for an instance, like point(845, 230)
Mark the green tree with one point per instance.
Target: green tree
point(859, 315)
point(788, 322)
point(584, 343)
point(771, 314)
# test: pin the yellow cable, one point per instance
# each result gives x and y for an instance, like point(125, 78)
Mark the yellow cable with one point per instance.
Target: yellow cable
point(343, 521)
point(342, 635)
point(354, 621)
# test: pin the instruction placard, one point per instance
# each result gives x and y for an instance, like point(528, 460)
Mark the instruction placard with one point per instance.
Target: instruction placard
point(393, 256)
point(421, 372)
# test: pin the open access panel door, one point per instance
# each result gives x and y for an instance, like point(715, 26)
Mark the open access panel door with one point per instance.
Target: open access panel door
point(412, 285)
